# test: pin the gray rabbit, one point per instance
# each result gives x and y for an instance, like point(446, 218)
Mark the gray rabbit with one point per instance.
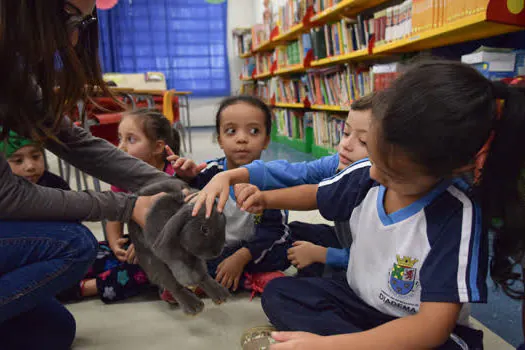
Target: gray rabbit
point(174, 246)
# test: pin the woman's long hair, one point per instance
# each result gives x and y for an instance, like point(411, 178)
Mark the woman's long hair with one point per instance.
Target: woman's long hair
point(42, 75)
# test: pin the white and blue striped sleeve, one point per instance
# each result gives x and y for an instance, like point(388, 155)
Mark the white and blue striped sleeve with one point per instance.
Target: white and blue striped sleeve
point(339, 195)
point(456, 266)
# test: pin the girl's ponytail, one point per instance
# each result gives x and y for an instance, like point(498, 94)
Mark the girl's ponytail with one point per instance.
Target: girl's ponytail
point(501, 187)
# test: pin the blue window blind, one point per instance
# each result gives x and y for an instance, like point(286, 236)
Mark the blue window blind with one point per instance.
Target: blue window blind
point(184, 39)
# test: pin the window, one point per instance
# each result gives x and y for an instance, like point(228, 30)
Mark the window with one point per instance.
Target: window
point(184, 39)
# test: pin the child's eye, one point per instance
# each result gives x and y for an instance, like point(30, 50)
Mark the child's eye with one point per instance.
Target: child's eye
point(36, 156)
point(346, 133)
point(363, 143)
point(132, 139)
point(229, 131)
point(254, 131)
point(16, 161)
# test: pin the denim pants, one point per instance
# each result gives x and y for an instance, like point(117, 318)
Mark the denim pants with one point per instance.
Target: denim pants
point(38, 260)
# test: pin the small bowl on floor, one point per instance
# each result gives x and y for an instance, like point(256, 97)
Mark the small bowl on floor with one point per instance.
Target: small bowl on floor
point(258, 338)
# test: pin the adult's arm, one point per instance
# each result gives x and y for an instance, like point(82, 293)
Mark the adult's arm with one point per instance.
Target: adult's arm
point(102, 160)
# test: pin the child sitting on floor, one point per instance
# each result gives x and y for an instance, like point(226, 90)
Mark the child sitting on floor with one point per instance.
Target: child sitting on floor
point(255, 244)
point(419, 250)
point(115, 274)
point(26, 159)
point(314, 245)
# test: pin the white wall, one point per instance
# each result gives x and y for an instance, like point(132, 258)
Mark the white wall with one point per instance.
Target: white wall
point(241, 13)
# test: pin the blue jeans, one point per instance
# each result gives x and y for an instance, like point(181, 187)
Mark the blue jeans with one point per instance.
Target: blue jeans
point(38, 260)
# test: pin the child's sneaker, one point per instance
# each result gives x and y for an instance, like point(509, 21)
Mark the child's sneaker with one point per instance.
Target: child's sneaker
point(258, 338)
point(167, 297)
point(256, 282)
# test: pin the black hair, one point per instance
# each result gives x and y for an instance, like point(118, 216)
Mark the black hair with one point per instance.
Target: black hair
point(364, 103)
point(251, 100)
point(157, 127)
point(441, 113)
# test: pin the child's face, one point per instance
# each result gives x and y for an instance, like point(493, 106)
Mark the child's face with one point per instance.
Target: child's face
point(352, 146)
point(134, 141)
point(28, 162)
point(242, 134)
point(399, 174)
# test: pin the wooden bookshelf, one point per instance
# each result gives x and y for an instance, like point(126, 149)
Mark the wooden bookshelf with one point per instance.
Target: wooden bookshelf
point(289, 105)
point(344, 8)
point(333, 60)
point(264, 75)
point(469, 28)
point(296, 68)
point(246, 55)
point(330, 108)
point(499, 17)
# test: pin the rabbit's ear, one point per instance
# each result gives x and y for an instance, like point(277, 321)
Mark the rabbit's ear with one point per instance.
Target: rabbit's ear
point(170, 233)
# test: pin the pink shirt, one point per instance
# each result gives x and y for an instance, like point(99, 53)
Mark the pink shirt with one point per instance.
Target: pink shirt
point(168, 169)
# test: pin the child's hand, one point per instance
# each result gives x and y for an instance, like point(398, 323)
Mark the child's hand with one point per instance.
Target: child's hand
point(250, 198)
point(219, 186)
point(131, 257)
point(230, 270)
point(297, 340)
point(304, 254)
point(185, 168)
point(118, 249)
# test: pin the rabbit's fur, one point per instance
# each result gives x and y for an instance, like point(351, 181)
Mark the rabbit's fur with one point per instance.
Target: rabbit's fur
point(174, 246)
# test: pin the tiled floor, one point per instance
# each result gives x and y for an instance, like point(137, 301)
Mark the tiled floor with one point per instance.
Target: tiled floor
point(146, 322)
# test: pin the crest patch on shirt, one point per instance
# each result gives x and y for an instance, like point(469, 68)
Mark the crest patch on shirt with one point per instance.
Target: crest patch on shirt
point(403, 275)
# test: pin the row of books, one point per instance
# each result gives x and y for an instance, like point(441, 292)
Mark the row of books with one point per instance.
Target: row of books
point(294, 52)
point(263, 62)
point(339, 38)
point(242, 40)
point(328, 128)
point(338, 86)
point(335, 86)
point(289, 123)
point(248, 67)
point(321, 5)
point(288, 90)
point(260, 34)
point(291, 13)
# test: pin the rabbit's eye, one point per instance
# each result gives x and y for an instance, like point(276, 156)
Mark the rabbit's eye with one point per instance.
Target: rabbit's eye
point(204, 229)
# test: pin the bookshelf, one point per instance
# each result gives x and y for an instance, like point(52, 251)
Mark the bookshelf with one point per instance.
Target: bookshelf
point(357, 35)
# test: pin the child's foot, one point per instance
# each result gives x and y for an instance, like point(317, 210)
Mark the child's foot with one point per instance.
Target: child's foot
point(258, 338)
point(256, 282)
point(167, 297)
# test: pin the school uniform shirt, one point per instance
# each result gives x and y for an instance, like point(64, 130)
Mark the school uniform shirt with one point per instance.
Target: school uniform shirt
point(259, 233)
point(282, 174)
point(430, 251)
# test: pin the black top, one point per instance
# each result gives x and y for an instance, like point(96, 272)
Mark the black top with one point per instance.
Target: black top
point(51, 180)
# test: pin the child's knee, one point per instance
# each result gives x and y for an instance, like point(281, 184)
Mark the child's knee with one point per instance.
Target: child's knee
point(275, 291)
point(82, 244)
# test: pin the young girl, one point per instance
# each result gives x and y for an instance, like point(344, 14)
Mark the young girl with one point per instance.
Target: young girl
point(419, 232)
point(26, 159)
point(255, 244)
point(115, 275)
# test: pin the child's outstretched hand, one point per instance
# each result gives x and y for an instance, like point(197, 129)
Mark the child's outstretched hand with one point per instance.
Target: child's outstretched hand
point(250, 198)
point(230, 270)
point(304, 254)
point(185, 168)
point(219, 186)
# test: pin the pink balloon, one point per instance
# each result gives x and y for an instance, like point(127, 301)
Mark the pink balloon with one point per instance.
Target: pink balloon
point(106, 4)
